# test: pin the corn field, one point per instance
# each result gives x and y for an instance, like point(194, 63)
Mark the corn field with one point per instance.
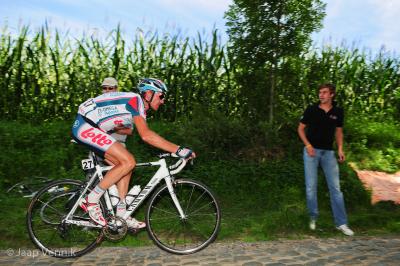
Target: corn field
point(366, 84)
point(46, 75)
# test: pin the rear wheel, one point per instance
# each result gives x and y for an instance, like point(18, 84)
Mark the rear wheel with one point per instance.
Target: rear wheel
point(44, 219)
point(194, 232)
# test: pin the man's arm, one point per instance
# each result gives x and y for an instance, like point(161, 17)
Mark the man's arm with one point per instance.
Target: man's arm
point(302, 134)
point(152, 138)
point(339, 143)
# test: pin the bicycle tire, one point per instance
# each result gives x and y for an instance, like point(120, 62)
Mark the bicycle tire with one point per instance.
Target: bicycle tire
point(50, 235)
point(29, 186)
point(183, 236)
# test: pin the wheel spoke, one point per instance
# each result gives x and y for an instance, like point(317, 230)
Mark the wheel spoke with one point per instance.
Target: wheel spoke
point(183, 236)
point(164, 211)
point(204, 206)
point(197, 200)
point(164, 218)
point(188, 203)
point(44, 219)
point(51, 208)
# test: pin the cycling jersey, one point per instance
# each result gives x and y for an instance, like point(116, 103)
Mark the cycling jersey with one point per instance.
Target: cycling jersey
point(113, 109)
point(97, 118)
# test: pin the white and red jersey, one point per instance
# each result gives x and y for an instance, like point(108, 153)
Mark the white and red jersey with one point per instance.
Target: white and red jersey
point(113, 109)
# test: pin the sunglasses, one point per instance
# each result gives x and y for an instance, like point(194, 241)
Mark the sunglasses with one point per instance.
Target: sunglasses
point(109, 88)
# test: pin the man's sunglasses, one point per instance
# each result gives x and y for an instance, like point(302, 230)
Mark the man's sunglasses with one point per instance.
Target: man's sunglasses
point(109, 88)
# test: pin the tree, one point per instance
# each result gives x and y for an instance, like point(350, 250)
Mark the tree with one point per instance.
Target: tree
point(262, 34)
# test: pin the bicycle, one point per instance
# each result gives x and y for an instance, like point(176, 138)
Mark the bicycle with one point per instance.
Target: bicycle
point(29, 186)
point(182, 217)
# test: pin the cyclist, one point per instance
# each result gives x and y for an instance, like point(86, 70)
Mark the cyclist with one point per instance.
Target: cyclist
point(102, 114)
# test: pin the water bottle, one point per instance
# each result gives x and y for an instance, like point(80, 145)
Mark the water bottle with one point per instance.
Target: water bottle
point(114, 195)
point(135, 190)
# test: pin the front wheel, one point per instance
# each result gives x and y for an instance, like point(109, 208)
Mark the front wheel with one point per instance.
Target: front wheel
point(191, 234)
point(45, 223)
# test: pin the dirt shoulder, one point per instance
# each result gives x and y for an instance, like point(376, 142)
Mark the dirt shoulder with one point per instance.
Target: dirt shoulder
point(384, 187)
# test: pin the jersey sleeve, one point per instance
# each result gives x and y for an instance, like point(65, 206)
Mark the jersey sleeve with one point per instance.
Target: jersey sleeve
point(136, 107)
point(306, 117)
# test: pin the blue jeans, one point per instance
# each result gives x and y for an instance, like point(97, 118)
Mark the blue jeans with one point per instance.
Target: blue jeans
point(328, 162)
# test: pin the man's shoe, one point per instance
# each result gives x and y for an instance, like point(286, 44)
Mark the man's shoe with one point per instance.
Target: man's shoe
point(345, 230)
point(134, 224)
point(94, 211)
point(313, 224)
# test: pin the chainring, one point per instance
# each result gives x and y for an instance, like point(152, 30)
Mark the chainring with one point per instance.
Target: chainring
point(116, 228)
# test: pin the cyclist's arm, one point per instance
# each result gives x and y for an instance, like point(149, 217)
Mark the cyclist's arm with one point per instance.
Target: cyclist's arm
point(151, 137)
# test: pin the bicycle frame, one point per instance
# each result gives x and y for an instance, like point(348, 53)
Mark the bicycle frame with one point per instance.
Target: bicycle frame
point(163, 172)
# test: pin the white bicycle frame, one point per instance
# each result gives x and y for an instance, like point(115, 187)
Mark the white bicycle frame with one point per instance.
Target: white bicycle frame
point(163, 172)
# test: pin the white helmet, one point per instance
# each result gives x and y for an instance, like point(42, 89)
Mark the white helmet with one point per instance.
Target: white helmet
point(152, 84)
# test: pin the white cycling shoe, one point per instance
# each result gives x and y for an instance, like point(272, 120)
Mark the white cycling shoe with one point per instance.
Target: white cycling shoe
point(134, 224)
point(94, 211)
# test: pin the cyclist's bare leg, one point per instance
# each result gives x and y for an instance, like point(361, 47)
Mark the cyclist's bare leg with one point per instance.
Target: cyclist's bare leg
point(123, 183)
point(124, 163)
point(122, 186)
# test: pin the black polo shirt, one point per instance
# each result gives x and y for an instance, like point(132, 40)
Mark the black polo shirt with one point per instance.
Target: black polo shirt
point(321, 126)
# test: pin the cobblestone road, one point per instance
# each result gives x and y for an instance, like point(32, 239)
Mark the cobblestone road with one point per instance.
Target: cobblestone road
point(338, 251)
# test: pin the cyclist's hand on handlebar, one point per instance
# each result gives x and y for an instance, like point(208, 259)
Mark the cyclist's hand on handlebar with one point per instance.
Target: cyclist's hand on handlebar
point(185, 153)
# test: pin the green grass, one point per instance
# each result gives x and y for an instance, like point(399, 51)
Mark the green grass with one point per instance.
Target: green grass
point(13, 232)
point(374, 145)
point(241, 220)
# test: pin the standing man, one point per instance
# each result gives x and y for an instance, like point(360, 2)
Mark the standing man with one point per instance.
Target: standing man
point(318, 127)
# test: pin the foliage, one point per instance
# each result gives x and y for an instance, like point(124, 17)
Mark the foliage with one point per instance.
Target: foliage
point(37, 150)
point(367, 86)
point(48, 76)
point(262, 194)
point(374, 145)
point(45, 75)
point(263, 35)
point(45, 150)
point(254, 165)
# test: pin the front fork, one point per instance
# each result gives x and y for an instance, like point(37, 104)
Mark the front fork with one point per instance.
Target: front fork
point(178, 206)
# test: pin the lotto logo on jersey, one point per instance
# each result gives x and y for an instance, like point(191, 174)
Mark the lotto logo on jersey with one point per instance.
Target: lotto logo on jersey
point(97, 138)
